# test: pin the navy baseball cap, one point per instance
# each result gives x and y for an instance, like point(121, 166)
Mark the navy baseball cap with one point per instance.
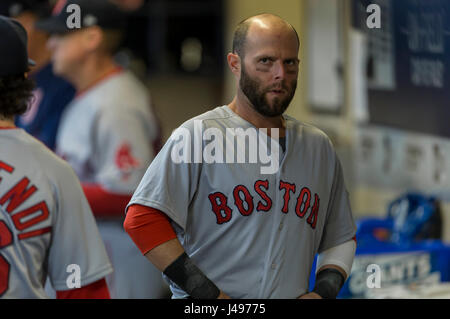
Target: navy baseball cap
point(41, 8)
point(13, 48)
point(102, 13)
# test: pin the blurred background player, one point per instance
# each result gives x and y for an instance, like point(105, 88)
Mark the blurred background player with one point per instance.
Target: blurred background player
point(46, 224)
point(51, 94)
point(108, 134)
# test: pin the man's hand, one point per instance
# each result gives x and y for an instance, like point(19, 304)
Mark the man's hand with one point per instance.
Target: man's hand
point(223, 296)
point(310, 295)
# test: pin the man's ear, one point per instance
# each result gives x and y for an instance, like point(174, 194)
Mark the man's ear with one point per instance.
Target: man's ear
point(234, 63)
point(93, 37)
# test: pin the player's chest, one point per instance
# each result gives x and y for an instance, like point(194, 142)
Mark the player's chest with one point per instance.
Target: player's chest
point(298, 195)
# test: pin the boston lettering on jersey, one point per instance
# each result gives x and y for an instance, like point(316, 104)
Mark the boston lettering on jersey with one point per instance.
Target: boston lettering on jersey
point(15, 197)
point(241, 194)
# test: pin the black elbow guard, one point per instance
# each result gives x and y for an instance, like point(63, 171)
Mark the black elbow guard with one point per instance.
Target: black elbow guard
point(328, 283)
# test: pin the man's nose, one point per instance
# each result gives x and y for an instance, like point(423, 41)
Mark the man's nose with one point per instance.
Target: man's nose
point(279, 70)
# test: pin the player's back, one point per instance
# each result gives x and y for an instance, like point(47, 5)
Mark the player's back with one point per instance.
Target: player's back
point(32, 180)
point(26, 189)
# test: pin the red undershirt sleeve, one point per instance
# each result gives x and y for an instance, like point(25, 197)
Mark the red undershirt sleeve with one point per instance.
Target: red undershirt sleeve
point(104, 203)
point(148, 227)
point(95, 290)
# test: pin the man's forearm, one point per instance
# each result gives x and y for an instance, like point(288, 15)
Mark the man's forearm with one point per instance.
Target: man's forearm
point(334, 266)
point(151, 231)
point(165, 254)
point(341, 270)
point(315, 294)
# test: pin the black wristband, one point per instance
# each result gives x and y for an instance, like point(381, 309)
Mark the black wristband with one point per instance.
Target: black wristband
point(328, 283)
point(188, 277)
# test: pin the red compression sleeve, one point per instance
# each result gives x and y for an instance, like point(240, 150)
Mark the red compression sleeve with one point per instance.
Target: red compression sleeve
point(96, 290)
point(148, 227)
point(104, 203)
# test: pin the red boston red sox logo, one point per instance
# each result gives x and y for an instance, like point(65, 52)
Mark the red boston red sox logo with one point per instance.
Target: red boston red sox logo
point(244, 202)
point(125, 160)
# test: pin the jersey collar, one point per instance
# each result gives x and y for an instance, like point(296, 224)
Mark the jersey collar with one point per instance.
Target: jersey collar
point(106, 76)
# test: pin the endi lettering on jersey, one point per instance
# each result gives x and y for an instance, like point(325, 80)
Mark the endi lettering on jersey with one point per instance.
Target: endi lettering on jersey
point(305, 203)
point(15, 197)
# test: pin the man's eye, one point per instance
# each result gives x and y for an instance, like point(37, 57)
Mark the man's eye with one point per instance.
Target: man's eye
point(264, 60)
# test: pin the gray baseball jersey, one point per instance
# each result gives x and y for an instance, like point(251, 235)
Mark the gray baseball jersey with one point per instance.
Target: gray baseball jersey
point(108, 135)
point(253, 234)
point(46, 224)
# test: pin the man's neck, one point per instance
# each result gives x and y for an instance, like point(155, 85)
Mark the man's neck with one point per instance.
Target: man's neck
point(42, 57)
point(93, 71)
point(7, 123)
point(242, 107)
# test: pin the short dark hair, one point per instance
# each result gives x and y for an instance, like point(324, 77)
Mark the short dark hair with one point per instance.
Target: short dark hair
point(240, 36)
point(15, 94)
point(112, 40)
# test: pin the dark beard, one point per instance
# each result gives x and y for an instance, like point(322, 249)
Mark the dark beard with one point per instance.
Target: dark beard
point(251, 88)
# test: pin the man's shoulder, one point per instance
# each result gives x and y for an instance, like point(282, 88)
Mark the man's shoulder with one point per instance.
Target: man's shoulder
point(128, 80)
point(122, 92)
point(40, 156)
point(311, 135)
point(306, 128)
point(216, 114)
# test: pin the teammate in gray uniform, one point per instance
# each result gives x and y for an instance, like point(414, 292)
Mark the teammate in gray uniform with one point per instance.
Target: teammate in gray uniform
point(243, 232)
point(108, 133)
point(46, 224)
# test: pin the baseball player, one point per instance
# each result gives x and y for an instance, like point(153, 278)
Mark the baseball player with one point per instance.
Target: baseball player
point(227, 229)
point(46, 224)
point(108, 133)
point(51, 93)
